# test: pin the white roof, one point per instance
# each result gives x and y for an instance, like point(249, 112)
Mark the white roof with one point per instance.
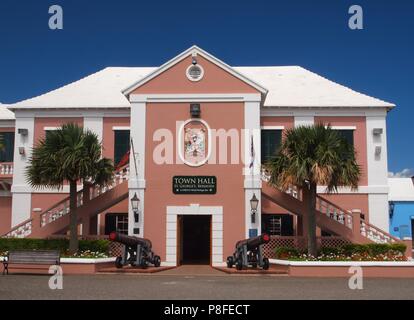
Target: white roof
point(401, 189)
point(6, 114)
point(288, 87)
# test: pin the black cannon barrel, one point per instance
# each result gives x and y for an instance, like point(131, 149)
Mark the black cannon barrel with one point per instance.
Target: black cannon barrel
point(254, 242)
point(130, 240)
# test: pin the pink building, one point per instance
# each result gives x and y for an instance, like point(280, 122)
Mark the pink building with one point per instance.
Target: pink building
point(200, 130)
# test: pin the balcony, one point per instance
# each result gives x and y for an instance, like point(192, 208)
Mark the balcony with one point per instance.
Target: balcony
point(6, 170)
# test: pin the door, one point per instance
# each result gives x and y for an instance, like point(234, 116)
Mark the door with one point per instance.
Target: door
point(194, 239)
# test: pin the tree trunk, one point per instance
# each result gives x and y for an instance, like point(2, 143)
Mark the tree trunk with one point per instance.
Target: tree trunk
point(311, 206)
point(73, 228)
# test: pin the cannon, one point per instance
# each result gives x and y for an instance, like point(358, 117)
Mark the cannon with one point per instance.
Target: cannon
point(137, 251)
point(249, 252)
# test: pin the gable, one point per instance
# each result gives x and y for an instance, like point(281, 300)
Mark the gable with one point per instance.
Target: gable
point(171, 78)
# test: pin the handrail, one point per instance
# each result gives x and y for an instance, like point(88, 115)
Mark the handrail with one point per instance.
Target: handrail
point(6, 168)
point(62, 208)
point(14, 231)
point(342, 216)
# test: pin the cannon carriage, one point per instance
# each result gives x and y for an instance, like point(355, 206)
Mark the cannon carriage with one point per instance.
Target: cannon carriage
point(137, 251)
point(249, 252)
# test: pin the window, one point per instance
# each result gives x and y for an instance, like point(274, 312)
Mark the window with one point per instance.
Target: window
point(7, 151)
point(347, 134)
point(122, 144)
point(116, 223)
point(277, 224)
point(271, 141)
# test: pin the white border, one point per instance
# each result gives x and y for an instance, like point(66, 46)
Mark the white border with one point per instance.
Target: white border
point(120, 128)
point(187, 73)
point(180, 140)
point(272, 127)
point(216, 213)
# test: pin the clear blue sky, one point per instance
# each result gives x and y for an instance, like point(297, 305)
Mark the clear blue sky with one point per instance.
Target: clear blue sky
point(378, 60)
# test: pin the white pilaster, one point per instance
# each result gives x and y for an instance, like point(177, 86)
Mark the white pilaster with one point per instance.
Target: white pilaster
point(377, 170)
point(22, 199)
point(252, 180)
point(137, 165)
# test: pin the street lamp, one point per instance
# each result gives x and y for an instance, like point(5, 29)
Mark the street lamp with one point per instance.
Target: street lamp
point(254, 203)
point(135, 207)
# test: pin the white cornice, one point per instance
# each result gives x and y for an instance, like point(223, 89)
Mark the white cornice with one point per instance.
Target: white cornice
point(219, 97)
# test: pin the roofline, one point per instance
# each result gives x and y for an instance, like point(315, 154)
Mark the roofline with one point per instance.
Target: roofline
point(182, 56)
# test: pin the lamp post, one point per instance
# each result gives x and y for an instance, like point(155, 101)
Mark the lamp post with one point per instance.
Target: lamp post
point(135, 207)
point(254, 203)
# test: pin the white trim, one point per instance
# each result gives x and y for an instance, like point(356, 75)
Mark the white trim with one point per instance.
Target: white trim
point(343, 263)
point(7, 123)
point(51, 128)
point(216, 213)
point(205, 97)
point(272, 127)
point(86, 260)
point(121, 128)
point(322, 111)
point(180, 143)
point(342, 127)
point(194, 50)
point(361, 190)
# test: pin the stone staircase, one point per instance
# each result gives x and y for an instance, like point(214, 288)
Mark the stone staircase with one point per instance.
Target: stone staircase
point(348, 224)
point(91, 201)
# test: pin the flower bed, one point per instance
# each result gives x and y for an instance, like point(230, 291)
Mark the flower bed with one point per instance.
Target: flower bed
point(350, 252)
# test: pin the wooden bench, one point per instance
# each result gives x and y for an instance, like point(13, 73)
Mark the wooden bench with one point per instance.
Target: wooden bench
point(31, 257)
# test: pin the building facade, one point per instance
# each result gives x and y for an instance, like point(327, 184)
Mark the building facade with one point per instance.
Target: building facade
point(401, 207)
point(197, 131)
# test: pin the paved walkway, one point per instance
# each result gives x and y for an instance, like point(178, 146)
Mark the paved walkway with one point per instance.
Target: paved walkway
point(156, 286)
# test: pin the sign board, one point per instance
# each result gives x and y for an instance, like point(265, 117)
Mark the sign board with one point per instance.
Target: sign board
point(194, 185)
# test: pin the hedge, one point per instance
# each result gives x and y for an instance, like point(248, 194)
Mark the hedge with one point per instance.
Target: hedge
point(371, 249)
point(7, 244)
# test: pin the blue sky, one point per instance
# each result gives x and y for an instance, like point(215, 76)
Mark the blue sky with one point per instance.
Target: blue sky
point(378, 60)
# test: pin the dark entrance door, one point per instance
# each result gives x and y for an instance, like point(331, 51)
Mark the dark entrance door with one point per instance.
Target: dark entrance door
point(195, 244)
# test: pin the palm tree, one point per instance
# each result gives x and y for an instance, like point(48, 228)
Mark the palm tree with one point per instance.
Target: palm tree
point(310, 156)
point(69, 154)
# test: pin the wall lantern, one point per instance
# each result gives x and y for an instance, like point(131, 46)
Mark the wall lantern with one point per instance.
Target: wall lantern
point(23, 132)
point(391, 207)
point(135, 207)
point(195, 110)
point(254, 203)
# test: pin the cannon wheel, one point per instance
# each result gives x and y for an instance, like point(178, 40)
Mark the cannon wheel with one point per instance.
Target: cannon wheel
point(118, 262)
point(157, 261)
point(144, 264)
point(230, 262)
point(239, 264)
point(266, 264)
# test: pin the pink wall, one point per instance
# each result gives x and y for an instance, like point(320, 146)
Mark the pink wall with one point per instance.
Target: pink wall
point(230, 191)
point(5, 214)
point(287, 122)
point(360, 139)
point(215, 80)
point(40, 123)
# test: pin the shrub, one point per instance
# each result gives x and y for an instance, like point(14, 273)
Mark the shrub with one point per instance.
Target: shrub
point(331, 251)
point(7, 244)
point(286, 253)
